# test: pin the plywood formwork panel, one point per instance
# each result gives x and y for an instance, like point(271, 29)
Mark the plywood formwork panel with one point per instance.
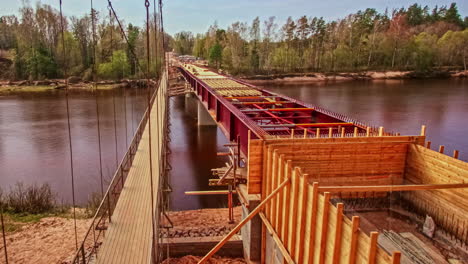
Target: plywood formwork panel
point(447, 207)
point(384, 149)
point(308, 226)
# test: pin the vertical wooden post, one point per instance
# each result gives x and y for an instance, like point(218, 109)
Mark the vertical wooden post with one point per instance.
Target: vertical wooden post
point(273, 178)
point(428, 144)
point(330, 132)
point(293, 215)
point(441, 148)
point(373, 247)
point(342, 132)
point(323, 237)
point(313, 220)
point(305, 133)
point(267, 179)
point(355, 131)
point(286, 206)
point(274, 201)
point(381, 129)
point(455, 154)
point(338, 231)
point(354, 240)
point(292, 133)
point(396, 257)
point(302, 223)
point(423, 130)
point(284, 201)
point(368, 132)
point(317, 134)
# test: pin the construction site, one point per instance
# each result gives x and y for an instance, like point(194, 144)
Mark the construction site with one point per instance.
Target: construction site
point(318, 187)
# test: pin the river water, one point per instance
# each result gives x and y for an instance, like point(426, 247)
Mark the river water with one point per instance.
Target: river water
point(397, 105)
point(34, 137)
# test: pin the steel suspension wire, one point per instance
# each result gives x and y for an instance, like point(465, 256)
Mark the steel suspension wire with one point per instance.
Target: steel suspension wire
point(162, 33)
point(69, 126)
point(147, 4)
point(96, 99)
point(3, 233)
point(122, 32)
point(111, 23)
point(125, 116)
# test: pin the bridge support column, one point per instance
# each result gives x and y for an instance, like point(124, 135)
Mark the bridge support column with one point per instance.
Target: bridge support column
point(252, 231)
point(204, 118)
point(191, 104)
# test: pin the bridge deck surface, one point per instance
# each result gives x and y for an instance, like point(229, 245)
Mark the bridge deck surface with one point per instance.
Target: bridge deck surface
point(129, 236)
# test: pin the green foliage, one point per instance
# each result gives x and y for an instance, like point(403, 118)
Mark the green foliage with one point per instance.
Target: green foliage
point(216, 55)
point(424, 53)
point(408, 39)
point(36, 38)
point(117, 68)
point(183, 42)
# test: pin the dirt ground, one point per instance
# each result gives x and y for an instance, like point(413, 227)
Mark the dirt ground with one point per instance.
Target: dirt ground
point(49, 241)
point(439, 251)
point(194, 259)
point(202, 222)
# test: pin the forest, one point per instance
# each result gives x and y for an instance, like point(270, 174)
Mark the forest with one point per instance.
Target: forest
point(32, 47)
point(416, 38)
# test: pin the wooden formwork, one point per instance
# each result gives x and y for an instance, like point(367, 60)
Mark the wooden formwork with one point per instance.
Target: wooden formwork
point(448, 208)
point(335, 161)
point(308, 228)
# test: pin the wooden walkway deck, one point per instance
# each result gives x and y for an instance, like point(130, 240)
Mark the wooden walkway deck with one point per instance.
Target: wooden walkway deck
point(129, 236)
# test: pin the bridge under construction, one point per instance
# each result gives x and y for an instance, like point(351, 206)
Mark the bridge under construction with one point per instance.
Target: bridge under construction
point(314, 186)
point(311, 182)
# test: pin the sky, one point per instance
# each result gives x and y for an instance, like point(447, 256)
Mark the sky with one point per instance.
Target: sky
point(198, 15)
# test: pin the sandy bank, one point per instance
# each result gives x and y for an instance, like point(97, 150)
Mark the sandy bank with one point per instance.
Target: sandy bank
point(370, 75)
point(51, 240)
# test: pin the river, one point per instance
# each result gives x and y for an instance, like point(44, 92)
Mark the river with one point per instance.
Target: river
point(34, 137)
point(397, 105)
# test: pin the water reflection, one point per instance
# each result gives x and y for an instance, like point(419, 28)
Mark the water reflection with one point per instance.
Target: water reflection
point(34, 138)
point(401, 106)
point(193, 156)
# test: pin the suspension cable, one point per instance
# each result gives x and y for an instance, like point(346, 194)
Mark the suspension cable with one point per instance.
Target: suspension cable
point(69, 126)
point(96, 98)
point(147, 4)
point(155, 17)
point(111, 24)
point(3, 232)
point(162, 33)
point(122, 32)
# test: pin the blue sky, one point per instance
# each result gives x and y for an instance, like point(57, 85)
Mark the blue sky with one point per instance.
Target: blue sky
point(198, 15)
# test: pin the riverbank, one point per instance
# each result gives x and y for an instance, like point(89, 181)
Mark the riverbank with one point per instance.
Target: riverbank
point(8, 87)
point(43, 239)
point(350, 76)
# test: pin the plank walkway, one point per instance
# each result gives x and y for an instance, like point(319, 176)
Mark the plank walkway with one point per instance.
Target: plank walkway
point(129, 236)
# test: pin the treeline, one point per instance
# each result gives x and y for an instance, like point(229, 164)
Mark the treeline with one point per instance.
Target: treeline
point(413, 38)
point(31, 45)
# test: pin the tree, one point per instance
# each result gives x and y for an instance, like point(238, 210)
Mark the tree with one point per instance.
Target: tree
point(117, 68)
point(216, 55)
point(254, 40)
point(452, 15)
point(183, 42)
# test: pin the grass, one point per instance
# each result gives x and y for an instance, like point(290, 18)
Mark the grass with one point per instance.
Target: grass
point(24, 205)
point(14, 222)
